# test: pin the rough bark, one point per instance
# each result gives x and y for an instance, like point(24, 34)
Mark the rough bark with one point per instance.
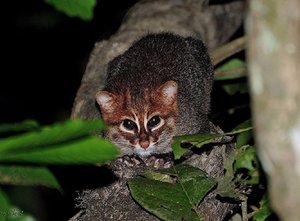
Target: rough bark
point(274, 58)
point(114, 202)
point(214, 24)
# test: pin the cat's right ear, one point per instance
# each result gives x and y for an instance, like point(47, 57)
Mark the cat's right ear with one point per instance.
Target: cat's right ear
point(106, 101)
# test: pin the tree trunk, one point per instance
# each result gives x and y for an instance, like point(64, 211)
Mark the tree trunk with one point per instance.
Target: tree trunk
point(274, 60)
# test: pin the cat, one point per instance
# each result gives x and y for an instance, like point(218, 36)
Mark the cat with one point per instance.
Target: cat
point(157, 89)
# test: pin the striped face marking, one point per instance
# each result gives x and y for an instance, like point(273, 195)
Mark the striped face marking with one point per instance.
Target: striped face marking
point(140, 122)
point(133, 125)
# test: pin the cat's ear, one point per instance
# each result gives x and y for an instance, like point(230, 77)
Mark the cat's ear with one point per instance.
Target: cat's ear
point(168, 92)
point(106, 101)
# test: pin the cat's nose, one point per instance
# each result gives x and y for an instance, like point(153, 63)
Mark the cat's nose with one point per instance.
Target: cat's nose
point(144, 144)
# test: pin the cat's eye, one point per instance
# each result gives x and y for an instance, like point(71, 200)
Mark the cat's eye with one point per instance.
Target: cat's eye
point(153, 122)
point(129, 124)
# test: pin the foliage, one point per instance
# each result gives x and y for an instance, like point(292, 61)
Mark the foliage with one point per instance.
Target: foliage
point(67, 143)
point(159, 192)
point(232, 69)
point(8, 212)
point(79, 8)
point(27, 175)
point(23, 157)
point(198, 140)
point(174, 198)
point(164, 192)
point(264, 210)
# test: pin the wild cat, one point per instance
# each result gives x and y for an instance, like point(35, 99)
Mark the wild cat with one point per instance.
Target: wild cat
point(157, 89)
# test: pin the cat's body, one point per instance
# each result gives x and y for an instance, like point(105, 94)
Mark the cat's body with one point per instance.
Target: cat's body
point(160, 87)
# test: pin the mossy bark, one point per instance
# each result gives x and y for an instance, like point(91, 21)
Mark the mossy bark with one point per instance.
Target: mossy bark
point(274, 61)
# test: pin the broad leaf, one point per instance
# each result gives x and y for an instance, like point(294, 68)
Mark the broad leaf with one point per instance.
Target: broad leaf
point(9, 212)
point(62, 143)
point(243, 139)
point(176, 200)
point(154, 175)
point(22, 126)
point(242, 127)
point(4, 206)
point(49, 135)
point(27, 175)
point(247, 159)
point(197, 140)
point(264, 210)
point(80, 8)
point(84, 151)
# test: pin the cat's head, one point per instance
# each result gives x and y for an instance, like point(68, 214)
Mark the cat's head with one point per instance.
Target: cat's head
point(142, 123)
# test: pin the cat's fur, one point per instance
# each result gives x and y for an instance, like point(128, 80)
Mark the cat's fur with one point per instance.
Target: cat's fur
point(164, 76)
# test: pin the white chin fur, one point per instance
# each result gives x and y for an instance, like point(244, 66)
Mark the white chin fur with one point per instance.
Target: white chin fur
point(144, 153)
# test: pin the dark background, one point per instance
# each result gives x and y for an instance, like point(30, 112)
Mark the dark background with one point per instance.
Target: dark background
point(51, 51)
point(50, 54)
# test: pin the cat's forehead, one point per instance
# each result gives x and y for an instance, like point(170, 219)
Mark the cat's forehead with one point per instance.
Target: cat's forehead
point(142, 102)
point(137, 102)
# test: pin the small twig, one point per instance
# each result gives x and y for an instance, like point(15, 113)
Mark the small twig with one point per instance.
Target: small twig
point(228, 49)
point(77, 215)
point(251, 214)
point(244, 209)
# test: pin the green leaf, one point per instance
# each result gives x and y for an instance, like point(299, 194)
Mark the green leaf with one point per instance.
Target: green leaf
point(85, 151)
point(243, 127)
point(246, 159)
point(22, 126)
point(175, 201)
point(243, 139)
point(80, 8)
point(27, 175)
point(236, 87)
point(4, 206)
point(15, 214)
point(49, 135)
point(154, 175)
point(233, 69)
point(63, 143)
point(197, 140)
point(264, 210)
point(227, 184)
point(9, 212)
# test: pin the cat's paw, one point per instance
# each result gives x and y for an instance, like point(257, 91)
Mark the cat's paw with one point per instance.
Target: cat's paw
point(130, 161)
point(157, 163)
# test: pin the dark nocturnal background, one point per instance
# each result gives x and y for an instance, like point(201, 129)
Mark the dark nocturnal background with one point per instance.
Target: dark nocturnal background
point(50, 53)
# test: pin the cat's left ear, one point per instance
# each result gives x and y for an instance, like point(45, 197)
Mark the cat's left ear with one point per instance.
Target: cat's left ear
point(106, 101)
point(168, 92)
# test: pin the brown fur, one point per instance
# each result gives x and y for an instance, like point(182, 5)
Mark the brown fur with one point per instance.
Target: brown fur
point(160, 75)
point(153, 102)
